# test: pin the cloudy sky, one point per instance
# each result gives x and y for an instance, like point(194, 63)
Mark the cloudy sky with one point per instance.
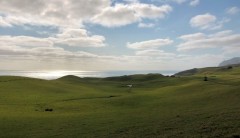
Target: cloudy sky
point(117, 34)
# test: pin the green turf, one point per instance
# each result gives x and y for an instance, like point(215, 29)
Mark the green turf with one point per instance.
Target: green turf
point(156, 106)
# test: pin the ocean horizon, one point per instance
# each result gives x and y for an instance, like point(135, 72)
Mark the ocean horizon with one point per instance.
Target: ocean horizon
point(51, 75)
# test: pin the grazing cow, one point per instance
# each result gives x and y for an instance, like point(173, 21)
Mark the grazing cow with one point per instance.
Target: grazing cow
point(205, 78)
point(48, 110)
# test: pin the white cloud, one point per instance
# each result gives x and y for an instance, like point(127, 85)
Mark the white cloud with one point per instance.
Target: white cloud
point(68, 37)
point(194, 3)
point(233, 10)
point(25, 41)
point(151, 11)
point(150, 44)
point(231, 51)
point(9, 21)
point(197, 61)
point(70, 32)
point(119, 15)
point(166, 61)
point(131, 1)
point(36, 47)
point(191, 2)
point(93, 41)
point(146, 25)
point(221, 39)
point(39, 52)
point(53, 12)
point(25, 6)
point(222, 33)
point(155, 53)
point(73, 13)
point(202, 20)
point(123, 14)
point(57, 58)
point(207, 22)
point(79, 38)
point(168, 1)
point(196, 36)
point(4, 23)
point(69, 15)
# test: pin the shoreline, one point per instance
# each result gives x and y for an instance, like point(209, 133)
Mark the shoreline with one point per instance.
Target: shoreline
point(51, 75)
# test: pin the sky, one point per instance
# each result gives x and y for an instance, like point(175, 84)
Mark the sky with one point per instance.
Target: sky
point(103, 35)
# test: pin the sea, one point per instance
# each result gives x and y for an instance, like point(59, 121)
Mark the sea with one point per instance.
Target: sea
point(51, 75)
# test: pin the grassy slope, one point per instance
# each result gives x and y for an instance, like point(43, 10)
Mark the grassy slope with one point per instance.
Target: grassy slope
point(155, 107)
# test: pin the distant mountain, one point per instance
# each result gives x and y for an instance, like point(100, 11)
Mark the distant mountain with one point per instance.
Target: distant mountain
point(234, 69)
point(232, 61)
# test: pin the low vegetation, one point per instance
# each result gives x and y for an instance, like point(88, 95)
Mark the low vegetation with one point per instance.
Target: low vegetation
point(155, 105)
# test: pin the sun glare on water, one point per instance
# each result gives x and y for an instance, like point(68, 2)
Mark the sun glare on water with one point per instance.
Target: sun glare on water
point(57, 74)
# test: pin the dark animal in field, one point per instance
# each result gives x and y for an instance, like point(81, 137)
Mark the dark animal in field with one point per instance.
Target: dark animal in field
point(236, 136)
point(230, 67)
point(48, 110)
point(205, 78)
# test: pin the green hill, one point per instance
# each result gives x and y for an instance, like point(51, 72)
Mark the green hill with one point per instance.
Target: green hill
point(156, 106)
point(137, 77)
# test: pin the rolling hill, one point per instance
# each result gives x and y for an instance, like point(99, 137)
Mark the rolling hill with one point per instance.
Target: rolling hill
point(156, 106)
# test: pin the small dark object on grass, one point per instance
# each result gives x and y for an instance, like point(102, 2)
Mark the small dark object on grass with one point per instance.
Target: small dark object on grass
point(178, 116)
point(236, 136)
point(48, 110)
point(230, 67)
point(205, 78)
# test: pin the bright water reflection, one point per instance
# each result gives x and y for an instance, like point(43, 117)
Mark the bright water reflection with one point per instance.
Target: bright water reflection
point(57, 74)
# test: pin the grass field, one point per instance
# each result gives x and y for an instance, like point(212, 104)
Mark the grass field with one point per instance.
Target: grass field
point(156, 106)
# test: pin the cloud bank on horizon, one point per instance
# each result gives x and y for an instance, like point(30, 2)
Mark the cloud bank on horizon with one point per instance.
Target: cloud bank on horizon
point(117, 34)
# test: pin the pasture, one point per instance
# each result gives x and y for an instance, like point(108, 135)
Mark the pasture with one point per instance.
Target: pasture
point(155, 106)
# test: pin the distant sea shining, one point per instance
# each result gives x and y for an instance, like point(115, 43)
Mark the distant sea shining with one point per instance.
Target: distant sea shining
point(50, 75)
